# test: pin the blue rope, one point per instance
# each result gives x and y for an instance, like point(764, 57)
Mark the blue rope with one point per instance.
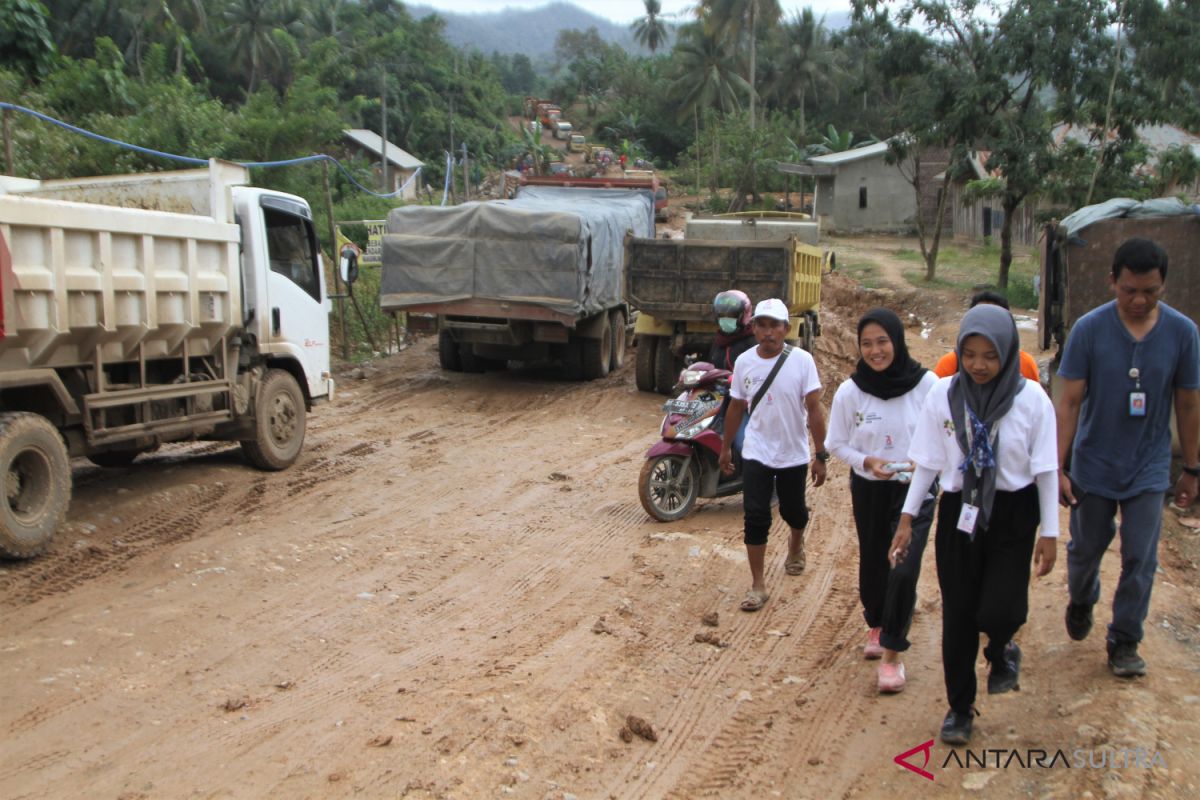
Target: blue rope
point(204, 162)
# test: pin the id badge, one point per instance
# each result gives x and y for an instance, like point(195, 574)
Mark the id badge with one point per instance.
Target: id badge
point(967, 518)
point(1137, 404)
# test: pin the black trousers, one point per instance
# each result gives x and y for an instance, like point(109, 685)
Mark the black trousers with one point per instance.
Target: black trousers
point(985, 584)
point(758, 480)
point(888, 595)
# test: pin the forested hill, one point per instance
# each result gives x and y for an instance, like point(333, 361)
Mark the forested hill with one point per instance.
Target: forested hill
point(528, 31)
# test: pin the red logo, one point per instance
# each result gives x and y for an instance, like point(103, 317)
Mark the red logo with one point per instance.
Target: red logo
point(925, 748)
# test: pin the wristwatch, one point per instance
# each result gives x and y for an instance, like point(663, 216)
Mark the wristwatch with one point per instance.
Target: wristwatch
point(823, 457)
point(1193, 471)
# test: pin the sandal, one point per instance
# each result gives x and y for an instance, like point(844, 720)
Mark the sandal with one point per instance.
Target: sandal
point(795, 564)
point(754, 600)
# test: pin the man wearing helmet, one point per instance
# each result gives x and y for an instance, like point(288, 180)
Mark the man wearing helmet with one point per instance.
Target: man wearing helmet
point(736, 336)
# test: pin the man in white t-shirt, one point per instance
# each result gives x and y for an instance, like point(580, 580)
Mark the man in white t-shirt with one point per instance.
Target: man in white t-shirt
point(775, 455)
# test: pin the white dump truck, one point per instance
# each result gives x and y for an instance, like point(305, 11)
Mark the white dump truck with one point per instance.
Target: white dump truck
point(141, 309)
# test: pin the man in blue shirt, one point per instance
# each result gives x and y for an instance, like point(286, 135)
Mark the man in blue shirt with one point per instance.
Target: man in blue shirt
point(1125, 365)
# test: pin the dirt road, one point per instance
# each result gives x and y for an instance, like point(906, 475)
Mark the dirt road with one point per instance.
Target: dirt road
point(455, 593)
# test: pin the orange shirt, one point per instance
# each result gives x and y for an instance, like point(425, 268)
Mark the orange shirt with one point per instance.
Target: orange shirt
point(947, 365)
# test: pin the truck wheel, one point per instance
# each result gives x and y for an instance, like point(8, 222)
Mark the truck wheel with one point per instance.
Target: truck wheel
point(616, 321)
point(448, 352)
point(668, 492)
point(37, 484)
point(470, 362)
point(643, 367)
point(597, 353)
point(572, 360)
point(666, 366)
point(807, 341)
point(279, 420)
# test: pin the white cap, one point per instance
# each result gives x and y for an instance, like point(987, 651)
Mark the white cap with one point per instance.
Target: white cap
point(773, 308)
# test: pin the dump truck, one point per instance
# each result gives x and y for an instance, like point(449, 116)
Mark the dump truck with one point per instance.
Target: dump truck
point(671, 284)
point(149, 308)
point(1076, 260)
point(531, 278)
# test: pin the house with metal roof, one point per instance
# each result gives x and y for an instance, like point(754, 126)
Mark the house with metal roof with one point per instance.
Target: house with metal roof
point(402, 166)
point(858, 191)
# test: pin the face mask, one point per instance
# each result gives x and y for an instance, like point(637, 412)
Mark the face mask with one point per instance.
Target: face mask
point(727, 324)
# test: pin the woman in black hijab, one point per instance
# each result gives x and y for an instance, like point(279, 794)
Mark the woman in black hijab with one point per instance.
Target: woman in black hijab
point(871, 421)
point(989, 436)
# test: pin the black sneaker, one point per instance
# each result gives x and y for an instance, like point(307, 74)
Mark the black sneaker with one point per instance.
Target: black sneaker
point(956, 728)
point(1079, 621)
point(1124, 661)
point(1006, 671)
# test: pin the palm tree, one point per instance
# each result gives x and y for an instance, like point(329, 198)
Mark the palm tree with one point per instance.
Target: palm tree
point(650, 31)
point(803, 63)
point(707, 78)
point(735, 19)
point(252, 24)
point(708, 75)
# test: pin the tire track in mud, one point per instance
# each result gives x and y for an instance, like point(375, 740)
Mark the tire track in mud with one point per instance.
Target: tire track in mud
point(35, 764)
point(151, 528)
point(513, 615)
point(817, 620)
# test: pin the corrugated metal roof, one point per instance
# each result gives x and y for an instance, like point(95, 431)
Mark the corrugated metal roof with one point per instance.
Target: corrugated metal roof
point(372, 141)
point(870, 151)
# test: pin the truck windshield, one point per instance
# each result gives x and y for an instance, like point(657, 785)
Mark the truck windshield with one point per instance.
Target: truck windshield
point(290, 250)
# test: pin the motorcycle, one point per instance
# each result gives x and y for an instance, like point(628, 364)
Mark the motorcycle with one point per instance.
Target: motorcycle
point(683, 466)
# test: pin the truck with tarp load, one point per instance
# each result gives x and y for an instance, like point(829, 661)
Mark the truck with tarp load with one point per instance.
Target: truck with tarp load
point(535, 277)
point(672, 282)
point(149, 308)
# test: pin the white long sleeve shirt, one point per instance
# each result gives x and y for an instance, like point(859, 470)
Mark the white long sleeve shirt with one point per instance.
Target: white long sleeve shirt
point(862, 425)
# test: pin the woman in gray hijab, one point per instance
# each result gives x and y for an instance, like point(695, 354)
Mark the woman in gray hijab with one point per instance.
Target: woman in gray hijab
point(988, 434)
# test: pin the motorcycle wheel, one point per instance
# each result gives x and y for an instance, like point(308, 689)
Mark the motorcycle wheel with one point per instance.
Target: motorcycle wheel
point(666, 494)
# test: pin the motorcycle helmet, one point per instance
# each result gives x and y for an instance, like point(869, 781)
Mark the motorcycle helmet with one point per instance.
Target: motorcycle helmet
point(733, 311)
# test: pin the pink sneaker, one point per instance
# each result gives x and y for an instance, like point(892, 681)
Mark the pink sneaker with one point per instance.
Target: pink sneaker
point(873, 649)
point(891, 678)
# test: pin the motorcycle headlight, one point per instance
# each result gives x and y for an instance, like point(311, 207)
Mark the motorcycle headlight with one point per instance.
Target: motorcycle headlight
point(692, 377)
point(692, 431)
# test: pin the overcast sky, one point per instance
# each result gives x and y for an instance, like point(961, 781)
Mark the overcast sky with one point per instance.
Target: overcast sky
point(621, 11)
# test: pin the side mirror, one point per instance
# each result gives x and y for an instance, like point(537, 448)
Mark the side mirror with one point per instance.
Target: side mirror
point(348, 264)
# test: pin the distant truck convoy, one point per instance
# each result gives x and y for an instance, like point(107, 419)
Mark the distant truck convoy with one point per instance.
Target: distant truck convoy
point(140, 309)
point(536, 277)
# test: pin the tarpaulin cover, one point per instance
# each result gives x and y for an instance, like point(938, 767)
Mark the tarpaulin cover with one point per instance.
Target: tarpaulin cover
point(559, 248)
point(1125, 207)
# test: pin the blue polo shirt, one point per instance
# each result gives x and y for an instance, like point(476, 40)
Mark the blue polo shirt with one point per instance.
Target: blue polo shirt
point(1117, 455)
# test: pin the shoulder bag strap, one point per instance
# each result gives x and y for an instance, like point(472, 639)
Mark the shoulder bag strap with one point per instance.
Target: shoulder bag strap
point(762, 390)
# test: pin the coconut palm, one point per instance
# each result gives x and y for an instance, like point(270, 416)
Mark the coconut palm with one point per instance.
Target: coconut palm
point(708, 75)
point(650, 31)
point(738, 20)
point(252, 26)
point(804, 63)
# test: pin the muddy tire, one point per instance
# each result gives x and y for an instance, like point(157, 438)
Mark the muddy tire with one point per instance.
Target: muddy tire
point(37, 484)
point(279, 422)
point(448, 352)
point(643, 367)
point(616, 321)
point(666, 492)
point(666, 366)
point(597, 353)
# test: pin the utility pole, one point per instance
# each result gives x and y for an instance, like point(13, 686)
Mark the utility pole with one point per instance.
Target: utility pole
point(337, 258)
point(466, 174)
point(383, 93)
